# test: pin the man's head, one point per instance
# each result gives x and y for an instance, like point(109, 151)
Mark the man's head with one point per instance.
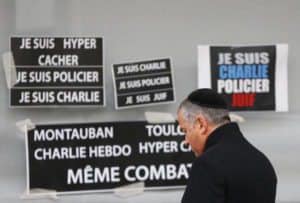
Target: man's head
point(199, 114)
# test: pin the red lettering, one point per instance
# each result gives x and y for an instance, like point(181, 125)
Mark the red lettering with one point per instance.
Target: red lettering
point(243, 100)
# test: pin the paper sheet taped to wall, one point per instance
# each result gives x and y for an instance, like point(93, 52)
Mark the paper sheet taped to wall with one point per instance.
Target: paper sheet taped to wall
point(57, 71)
point(249, 77)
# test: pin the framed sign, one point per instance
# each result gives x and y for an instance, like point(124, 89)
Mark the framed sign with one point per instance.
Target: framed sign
point(57, 71)
point(249, 77)
point(143, 83)
point(73, 158)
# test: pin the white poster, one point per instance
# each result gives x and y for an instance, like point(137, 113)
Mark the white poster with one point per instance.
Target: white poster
point(251, 78)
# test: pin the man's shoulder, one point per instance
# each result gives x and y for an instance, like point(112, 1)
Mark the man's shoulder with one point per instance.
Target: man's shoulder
point(225, 153)
point(231, 157)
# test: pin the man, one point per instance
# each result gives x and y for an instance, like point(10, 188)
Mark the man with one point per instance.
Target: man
point(227, 167)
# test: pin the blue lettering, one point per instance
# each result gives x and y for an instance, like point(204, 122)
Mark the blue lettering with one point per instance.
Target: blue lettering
point(222, 72)
point(243, 71)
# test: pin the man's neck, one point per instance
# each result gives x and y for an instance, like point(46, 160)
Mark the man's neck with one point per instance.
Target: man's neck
point(215, 126)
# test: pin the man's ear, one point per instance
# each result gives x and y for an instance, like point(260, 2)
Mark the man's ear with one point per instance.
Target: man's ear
point(202, 124)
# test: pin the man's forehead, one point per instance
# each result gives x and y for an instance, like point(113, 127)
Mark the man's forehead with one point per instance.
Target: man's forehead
point(179, 113)
point(180, 117)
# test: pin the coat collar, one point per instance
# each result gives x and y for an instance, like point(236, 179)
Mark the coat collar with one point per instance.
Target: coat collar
point(217, 135)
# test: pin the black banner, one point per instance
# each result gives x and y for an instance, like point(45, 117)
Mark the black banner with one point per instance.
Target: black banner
point(245, 76)
point(103, 156)
point(143, 83)
point(54, 64)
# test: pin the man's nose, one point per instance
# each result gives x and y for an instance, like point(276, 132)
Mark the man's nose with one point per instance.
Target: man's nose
point(186, 142)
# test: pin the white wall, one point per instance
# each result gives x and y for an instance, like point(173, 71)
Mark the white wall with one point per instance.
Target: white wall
point(146, 29)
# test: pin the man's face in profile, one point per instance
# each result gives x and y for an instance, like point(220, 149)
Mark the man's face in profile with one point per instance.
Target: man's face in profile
point(193, 134)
